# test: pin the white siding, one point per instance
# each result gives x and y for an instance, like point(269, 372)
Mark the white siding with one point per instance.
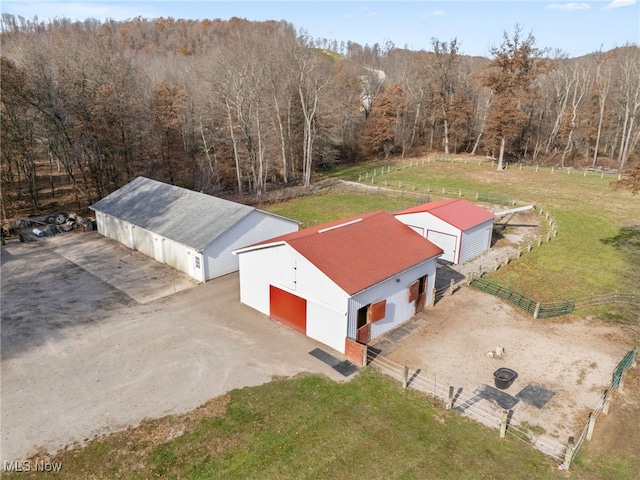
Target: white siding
point(476, 240)
point(398, 308)
point(143, 241)
point(255, 267)
point(327, 325)
point(254, 228)
point(115, 228)
point(326, 302)
point(436, 231)
point(177, 255)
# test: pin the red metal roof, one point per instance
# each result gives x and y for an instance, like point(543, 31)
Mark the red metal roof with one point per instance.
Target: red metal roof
point(361, 251)
point(458, 212)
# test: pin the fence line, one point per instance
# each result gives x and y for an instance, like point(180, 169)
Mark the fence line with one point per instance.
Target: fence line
point(547, 309)
point(386, 169)
point(464, 404)
point(502, 419)
point(551, 308)
point(631, 299)
point(536, 309)
point(617, 383)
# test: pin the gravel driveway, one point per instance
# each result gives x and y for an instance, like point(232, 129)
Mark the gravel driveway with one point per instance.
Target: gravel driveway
point(83, 357)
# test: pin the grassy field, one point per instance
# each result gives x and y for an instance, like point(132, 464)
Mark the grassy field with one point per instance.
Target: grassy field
point(579, 262)
point(311, 427)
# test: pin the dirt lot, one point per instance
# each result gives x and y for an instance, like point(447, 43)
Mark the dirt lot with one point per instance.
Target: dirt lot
point(572, 357)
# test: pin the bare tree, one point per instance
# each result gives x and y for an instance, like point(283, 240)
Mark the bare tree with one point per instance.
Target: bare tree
point(510, 76)
point(313, 78)
point(444, 81)
point(630, 91)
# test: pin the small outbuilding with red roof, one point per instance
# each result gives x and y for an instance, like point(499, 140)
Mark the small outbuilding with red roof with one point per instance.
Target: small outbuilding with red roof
point(346, 281)
point(462, 229)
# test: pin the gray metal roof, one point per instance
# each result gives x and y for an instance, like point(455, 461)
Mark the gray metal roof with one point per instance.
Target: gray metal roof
point(191, 218)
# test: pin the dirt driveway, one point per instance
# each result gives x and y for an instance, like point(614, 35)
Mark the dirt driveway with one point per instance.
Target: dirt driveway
point(82, 357)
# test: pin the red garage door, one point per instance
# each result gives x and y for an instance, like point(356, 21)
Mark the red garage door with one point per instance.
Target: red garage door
point(288, 309)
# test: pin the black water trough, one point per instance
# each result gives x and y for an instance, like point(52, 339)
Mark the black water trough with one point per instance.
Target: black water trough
point(504, 377)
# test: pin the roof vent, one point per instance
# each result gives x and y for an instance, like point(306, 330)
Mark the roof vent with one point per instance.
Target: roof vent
point(340, 226)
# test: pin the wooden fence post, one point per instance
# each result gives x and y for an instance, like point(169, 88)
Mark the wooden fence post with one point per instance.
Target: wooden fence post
point(621, 384)
point(450, 401)
point(536, 313)
point(568, 455)
point(592, 423)
point(503, 423)
point(365, 355)
point(451, 285)
point(433, 296)
point(607, 402)
point(405, 376)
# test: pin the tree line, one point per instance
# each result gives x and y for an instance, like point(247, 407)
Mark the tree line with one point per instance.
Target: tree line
point(248, 107)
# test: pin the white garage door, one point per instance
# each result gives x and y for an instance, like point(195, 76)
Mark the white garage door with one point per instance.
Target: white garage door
point(446, 242)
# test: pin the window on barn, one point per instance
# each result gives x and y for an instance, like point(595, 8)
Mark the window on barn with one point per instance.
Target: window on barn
point(377, 311)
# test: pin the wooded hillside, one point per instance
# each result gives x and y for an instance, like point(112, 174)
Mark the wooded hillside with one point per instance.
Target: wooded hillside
point(247, 107)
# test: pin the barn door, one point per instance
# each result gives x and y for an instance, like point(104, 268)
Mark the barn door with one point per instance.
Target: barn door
point(288, 309)
point(418, 293)
point(363, 329)
point(366, 316)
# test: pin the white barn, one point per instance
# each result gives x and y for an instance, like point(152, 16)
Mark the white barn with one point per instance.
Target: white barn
point(462, 229)
point(345, 281)
point(193, 232)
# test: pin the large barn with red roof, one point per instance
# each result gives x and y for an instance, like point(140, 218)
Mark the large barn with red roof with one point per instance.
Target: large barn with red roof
point(345, 281)
point(462, 229)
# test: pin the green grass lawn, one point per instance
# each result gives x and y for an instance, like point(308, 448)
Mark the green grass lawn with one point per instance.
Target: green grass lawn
point(312, 427)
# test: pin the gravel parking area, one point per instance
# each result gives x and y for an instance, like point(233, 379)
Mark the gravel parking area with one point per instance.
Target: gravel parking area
point(87, 350)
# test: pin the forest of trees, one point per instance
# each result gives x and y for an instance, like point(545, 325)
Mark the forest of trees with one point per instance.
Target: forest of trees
point(248, 107)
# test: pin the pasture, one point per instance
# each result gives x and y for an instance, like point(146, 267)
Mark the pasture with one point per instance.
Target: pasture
point(582, 260)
